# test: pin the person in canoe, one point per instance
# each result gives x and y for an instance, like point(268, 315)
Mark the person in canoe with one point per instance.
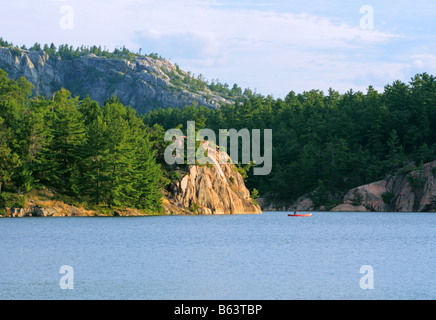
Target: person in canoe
point(295, 213)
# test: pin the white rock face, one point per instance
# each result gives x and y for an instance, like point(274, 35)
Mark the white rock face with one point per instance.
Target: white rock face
point(143, 84)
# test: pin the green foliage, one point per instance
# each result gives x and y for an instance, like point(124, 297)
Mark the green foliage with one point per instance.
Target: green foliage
point(243, 170)
point(194, 208)
point(388, 197)
point(324, 143)
point(320, 195)
point(155, 56)
point(67, 52)
point(407, 169)
point(254, 195)
point(16, 52)
point(88, 154)
point(357, 199)
point(343, 140)
point(416, 181)
point(117, 159)
point(36, 47)
point(12, 200)
point(4, 43)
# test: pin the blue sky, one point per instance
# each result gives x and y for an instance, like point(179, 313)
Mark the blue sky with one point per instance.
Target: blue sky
point(272, 47)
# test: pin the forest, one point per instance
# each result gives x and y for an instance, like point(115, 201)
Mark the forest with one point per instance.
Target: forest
point(90, 155)
point(327, 143)
point(106, 156)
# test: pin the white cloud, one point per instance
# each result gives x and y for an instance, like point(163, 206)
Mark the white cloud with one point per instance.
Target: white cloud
point(261, 48)
point(191, 45)
point(425, 62)
point(266, 50)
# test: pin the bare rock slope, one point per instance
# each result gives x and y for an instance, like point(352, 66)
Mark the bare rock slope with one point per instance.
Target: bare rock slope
point(144, 83)
point(214, 188)
point(413, 191)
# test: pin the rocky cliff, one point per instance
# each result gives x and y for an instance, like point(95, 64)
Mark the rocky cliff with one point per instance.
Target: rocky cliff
point(144, 83)
point(410, 190)
point(213, 188)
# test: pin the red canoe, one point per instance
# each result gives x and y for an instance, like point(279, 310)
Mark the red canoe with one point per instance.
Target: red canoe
point(300, 215)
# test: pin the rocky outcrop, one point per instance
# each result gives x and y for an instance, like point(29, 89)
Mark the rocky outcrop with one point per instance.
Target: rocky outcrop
point(59, 209)
point(36, 208)
point(41, 203)
point(144, 83)
point(211, 189)
point(413, 191)
point(345, 207)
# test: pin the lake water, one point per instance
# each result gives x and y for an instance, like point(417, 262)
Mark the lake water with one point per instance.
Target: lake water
point(248, 257)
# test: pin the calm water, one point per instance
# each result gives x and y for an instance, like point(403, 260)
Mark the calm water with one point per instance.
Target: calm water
point(269, 256)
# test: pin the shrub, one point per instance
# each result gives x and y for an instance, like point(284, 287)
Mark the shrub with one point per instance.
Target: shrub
point(358, 198)
point(254, 196)
point(387, 197)
point(416, 182)
point(194, 208)
point(407, 170)
point(12, 200)
point(16, 52)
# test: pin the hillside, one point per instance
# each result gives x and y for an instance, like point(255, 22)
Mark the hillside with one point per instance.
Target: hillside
point(143, 82)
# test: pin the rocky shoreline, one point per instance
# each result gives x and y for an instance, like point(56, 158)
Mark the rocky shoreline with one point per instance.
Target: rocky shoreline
point(213, 189)
point(410, 189)
point(35, 208)
point(219, 189)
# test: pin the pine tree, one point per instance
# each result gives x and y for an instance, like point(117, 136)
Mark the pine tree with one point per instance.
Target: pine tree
point(68, 133)
point(94, 168)
point(8, 160)
point(146, 174)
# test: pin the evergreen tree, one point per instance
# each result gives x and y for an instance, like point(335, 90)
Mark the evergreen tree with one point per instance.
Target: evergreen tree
point(67, 134)
point(8, 160)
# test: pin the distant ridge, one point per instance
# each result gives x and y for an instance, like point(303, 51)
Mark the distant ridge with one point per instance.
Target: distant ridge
point(143, 82)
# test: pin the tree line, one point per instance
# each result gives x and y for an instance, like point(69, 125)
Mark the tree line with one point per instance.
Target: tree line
point(327, 143)
point(68, 52)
